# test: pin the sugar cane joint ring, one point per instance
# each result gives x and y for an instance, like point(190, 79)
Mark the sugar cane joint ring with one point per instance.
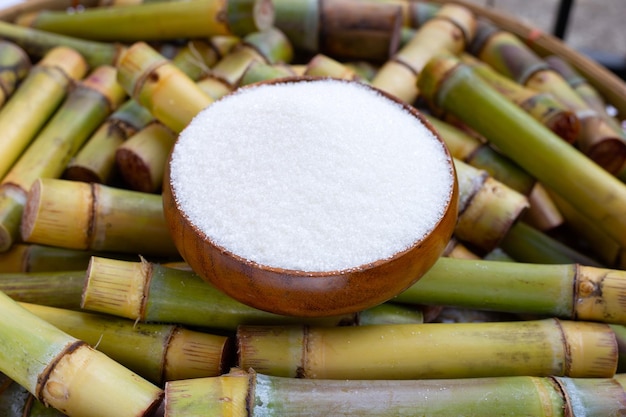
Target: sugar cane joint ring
point(310, 196)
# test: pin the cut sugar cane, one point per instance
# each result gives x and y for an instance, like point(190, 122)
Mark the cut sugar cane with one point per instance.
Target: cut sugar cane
point(61, 289)
point(157, 352)
point(79, 215)
point(64, 372)
point(450, 85)
point(84, 109)
point(567, 291)
point(431, 350)
point(330, 237)
point(38, 96)
point(254, 395)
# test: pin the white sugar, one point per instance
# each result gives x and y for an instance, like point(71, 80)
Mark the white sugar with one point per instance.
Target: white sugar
point(312, 176)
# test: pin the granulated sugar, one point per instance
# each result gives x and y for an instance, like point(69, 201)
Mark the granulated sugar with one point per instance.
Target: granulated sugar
point(312, 176)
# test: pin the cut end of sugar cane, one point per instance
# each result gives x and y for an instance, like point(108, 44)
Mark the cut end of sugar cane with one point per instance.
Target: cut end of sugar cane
point(291, 200)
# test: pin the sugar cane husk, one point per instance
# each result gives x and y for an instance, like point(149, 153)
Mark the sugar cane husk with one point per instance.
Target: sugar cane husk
point(543, 106)
point(524, 243)
point(96, 217)
point(506, 53)
point(404, 351)
point(38, 43)
point(156, 21)
point(588, 187)
point(149, 292)
point(353, 29)
point(61, 289)
point(141, 158)
point(451, 29)
point(604, 247)
point(259, 71)
point(322, 65)
point(158, 85)
point(479, 154)
point(487, 208)
point(157, 352)
point(14, 66)
point(567, 291)
point(300, 21)
point(255, 394)
point(37, 98)
point(95, 161)
point(65, 373)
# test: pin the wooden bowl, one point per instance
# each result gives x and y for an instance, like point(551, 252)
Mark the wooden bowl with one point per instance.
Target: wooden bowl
point(304, 293)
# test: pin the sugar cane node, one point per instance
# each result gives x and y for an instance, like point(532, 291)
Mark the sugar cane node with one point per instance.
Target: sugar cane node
point(290, 201)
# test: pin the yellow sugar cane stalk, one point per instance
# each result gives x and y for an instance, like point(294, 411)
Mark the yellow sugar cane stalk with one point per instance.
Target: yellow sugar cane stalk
point(96, 217)
point(36, 99)
point(548, 347)
point(253, 394)
point(161, 87)
point(64, 372)
point(259, 71)
point(487, 208)
point(61, 289)
point(450, 85)
point(157, 352)
point(37, 43)
point(156, 21)
point(451, 29)
point(14, 66)
point(148, 292)
point(598, 139)
point(567, 291)
point(95, 161)
point(85, 108)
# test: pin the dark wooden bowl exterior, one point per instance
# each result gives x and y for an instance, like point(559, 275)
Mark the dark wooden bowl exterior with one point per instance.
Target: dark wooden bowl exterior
point(308, 294)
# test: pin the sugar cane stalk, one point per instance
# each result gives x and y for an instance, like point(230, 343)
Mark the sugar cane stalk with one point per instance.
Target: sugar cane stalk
point(149, 292)
point(38, 96)
point(431, 350)
point(156, 21)
point(568, 291)
point(64, 372)
point(252, 394)
point(61, 289)
point(38, 43)
point(451, 29)
point(450, 85)
point(85, 108)
point(157, 352)
point(96, 217)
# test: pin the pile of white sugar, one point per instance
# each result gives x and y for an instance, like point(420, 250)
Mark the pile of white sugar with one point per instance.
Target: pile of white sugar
point(312, 176)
